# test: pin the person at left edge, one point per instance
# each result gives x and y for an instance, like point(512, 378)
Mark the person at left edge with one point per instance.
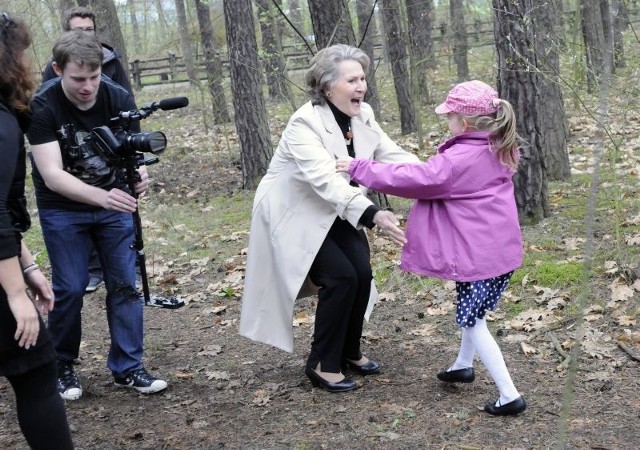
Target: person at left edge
point(83, 199)
point(308, 221)
point(27, 357)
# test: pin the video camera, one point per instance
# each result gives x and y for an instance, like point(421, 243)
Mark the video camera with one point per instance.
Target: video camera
point(119, 145)
point(126, 150)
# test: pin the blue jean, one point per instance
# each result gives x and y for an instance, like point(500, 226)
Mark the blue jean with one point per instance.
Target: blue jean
point(68, 236)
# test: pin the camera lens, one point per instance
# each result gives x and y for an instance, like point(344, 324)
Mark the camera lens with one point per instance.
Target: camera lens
point(154, 142)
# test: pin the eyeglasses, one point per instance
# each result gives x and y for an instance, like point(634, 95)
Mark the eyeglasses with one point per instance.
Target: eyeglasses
point(88, 29)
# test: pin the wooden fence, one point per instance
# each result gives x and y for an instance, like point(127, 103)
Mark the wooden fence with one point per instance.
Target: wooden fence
point(171, 68)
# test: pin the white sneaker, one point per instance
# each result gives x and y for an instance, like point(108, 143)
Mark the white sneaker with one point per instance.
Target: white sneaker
point(68, 384)
point(141, 381)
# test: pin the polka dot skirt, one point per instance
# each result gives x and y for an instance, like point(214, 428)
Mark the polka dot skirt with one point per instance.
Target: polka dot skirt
point(475, 298)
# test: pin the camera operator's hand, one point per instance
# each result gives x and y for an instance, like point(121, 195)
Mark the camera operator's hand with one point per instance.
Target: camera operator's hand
point(143, 184)
point(118, 200)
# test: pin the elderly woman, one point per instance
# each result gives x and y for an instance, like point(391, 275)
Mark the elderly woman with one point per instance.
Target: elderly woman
point(307, 223)
point(27, 357)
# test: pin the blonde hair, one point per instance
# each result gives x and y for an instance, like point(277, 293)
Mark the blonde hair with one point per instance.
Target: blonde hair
point(504, 138)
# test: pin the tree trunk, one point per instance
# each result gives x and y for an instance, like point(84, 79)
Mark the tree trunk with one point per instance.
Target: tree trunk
point(63, 6)
point(213, 65)
point(273, 60)
point(550, 102)
point(331, 23)
point(250, 112)
point(135, 28)
point(367, 30)
point(398, 60)
point(460, 46)
point(296, 17)
point(607, 29)
point(185, 40)
point(593, 35)
point(620, 22)
point(108, 27)
point(162, 20)
point(419, 14)
point(517, 83)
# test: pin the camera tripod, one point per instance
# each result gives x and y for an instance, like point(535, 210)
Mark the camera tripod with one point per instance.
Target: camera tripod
point(138, 244)
point(126, 150)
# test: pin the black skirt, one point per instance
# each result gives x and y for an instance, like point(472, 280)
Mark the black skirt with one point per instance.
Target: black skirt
point(16, 360)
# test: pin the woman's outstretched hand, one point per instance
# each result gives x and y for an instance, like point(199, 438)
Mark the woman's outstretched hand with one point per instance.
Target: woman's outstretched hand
point(390, 226)
point(342, 164)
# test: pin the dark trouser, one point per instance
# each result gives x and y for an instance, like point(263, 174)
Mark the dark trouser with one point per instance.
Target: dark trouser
point(95, 269)
point(68, 236)
point(40, 409)
point(343, 271)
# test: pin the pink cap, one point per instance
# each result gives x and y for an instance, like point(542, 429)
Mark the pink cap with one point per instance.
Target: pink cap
point(471, 98)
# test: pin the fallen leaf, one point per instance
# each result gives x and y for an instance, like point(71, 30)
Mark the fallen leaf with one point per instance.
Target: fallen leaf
point(528, 349)
point(427, 329)
point(303, 318)
point(626, 321)
point(261, 397)
point(620, 291)
point(217, 375)
point(210, 350)
point(386, 297)
point(437, 311)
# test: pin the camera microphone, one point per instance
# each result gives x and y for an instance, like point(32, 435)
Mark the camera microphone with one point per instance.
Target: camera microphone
point(172, 103)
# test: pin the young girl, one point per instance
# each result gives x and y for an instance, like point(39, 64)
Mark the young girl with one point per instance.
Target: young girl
point(464, 223)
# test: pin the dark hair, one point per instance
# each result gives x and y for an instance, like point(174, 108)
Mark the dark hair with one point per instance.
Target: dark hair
point(324, 70)
point(82, 48)
point(78, 11)
point(16, 83)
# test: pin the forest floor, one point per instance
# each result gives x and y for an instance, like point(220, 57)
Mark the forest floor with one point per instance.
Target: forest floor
point(226, 391)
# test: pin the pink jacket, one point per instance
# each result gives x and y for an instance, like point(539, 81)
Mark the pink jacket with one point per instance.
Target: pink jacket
point(464, 223)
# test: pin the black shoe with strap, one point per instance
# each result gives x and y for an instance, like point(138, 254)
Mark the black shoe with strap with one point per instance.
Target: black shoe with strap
point(466, 375)
point(508, 409)
point(343, 385)
point(369, 368)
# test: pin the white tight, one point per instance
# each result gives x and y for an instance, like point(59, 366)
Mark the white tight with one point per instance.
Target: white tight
point(478, 339)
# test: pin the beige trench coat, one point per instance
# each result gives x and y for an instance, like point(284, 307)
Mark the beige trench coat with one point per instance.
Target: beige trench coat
point(295, 204)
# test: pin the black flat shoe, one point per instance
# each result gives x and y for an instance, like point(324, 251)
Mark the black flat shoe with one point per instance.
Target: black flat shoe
point(340, 386)
point(370, 368)
point(457, 376)
point(510, 409)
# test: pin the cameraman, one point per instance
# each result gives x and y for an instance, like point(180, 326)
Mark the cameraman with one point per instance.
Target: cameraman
point(82, 18)
point(82, 200)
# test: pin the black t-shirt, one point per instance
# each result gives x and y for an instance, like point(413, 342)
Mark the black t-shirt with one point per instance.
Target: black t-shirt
point(55, 118)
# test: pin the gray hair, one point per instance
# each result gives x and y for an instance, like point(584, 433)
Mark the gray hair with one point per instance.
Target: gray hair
point(324, 69)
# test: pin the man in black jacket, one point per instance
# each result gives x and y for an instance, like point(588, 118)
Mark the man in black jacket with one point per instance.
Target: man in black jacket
point(81, 18)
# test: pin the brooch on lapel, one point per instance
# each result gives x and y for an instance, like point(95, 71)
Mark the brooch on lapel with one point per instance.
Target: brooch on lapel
point(348, 136)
